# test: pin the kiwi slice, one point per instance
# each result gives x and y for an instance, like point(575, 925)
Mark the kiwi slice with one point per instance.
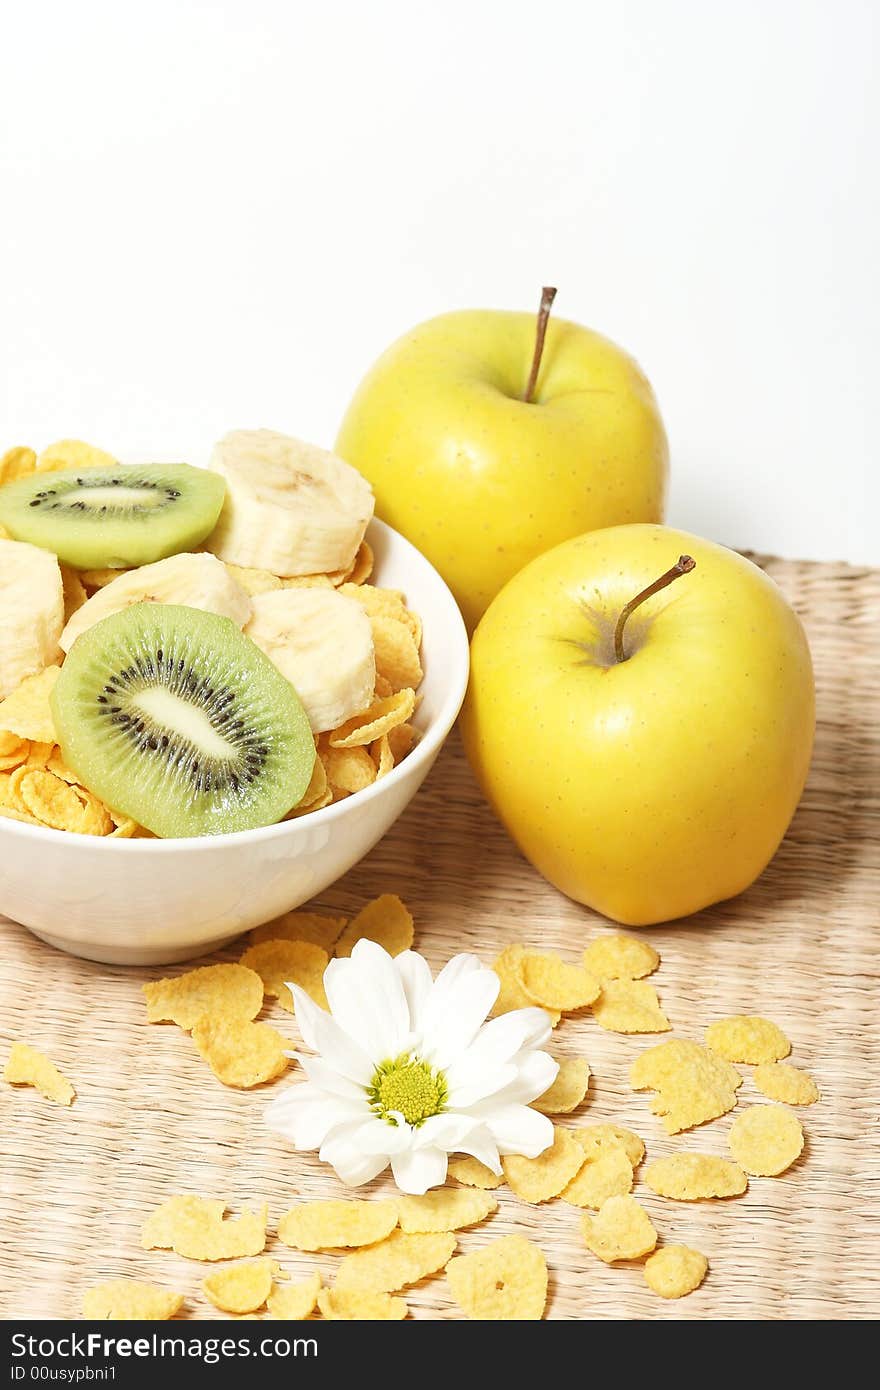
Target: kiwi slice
point(113, 518)
point(175, 718)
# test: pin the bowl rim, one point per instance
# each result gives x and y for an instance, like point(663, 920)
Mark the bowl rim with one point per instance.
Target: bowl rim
point(424, 751)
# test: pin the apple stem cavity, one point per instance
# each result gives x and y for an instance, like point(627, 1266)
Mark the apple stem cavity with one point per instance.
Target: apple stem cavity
point(683, 565)
point(548, 294)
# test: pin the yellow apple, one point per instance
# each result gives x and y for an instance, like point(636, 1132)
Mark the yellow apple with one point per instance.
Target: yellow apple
point(653, 786)
point(482, 480)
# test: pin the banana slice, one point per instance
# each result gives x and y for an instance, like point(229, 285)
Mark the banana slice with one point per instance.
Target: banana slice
point(194, 581)
point(290, 507)
point(322, 642)
point(31, 612)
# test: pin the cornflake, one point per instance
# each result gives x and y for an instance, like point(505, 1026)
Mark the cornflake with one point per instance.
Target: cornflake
point(747, 1038)
point(630, 1006)
point(445, 1209)
point(608, 1174)
point(620, 958)
point(230, 990)
point(127, 1299)
point(766, 1139)
point(780, 1081)
point(512, 994)
point(240, 1053)
point(596, 1139)
point(538, 1179)
point(315, 927)
point(473, 1173)
point(553, 984)
point(295, 1301)
point(194, 1227)
point(568, 1090)
point(398, 1260)
point(690, 1177)
point(333, 1225)
point(503, 1281)
point(675, 1270)
point(241, 1288)
point(621, 1230)
point(26, 712)
point(360, 1305)
point(280, 963)
point(386, 920)
point(28, 1067)
point(693, 1084)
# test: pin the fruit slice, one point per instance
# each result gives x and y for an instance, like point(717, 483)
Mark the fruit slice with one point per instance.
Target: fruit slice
point(323, 643)
point(31, 612)
point(290, 507)
point(98, 518)
point(191, 581)
point(177, 720)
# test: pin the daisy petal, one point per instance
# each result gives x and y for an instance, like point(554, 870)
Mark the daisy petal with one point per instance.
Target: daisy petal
point(415, 975)
point(378, 1136)
point(501, 1038)
point(329, 1079)
point(367, 1000)
point(416, 1170)
point(517, 1129)
point(322, 1034)
point(470, 1083)
point(482, 1146)
point(453, 1012)
point(352, 1166)
point(306, 1115)
point(533, 1072)
point(445, 1131)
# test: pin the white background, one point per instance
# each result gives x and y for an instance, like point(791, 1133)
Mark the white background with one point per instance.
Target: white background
point(217, 214)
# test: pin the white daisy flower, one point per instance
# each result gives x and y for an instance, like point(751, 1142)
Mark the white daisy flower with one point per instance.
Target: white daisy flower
point(407, 1070)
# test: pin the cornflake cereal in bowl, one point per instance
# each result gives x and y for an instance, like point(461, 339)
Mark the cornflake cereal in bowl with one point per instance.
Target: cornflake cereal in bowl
point(218, 690)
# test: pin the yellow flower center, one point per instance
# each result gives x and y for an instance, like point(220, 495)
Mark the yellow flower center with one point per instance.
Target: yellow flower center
point(409, 1087)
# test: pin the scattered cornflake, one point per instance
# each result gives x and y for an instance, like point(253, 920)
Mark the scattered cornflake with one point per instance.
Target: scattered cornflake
point(382, 756)
point(382, 716)
point(398, 1260)
point(240, 1053)
point(781, 1081)
point(56, 804)
point(503, 1281)
point(609, 1174)
point(691, 1177)
point(280, 963)
point(693, 1084)
point(512, 994)
point(363, 565)
point(630, 1006)
point(538, 1179)
point(230, 990)
point(27, 712)
point(445, 1209)
point(596, 1139)
point(675, 1270)
point(551, 983)
point(388, 603)
point(317, 793)
point(620, 958)
point(620, 1230)
point(241, 1288)
point(766, 1139)
point(123, 1300)
point(400, 741)
point(28, 1067)
point(568, 1090)
point(18, 462)
point(315, 927)
point(334, 1225)
point(73, 453)
point(195, 1228)
point(295, 1301)
point(386, 920)
point(747, 1038)
point(361, 1305)
point(473, 1173)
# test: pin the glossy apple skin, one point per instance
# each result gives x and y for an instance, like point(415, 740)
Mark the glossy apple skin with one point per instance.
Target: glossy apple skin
point(651, 788)
point(480, 481)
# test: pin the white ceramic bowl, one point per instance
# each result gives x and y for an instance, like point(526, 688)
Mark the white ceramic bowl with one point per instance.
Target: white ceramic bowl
point(146, 902)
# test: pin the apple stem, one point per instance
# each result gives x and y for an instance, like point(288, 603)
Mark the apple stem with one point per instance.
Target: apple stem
point(683, 565)
point(548, 294)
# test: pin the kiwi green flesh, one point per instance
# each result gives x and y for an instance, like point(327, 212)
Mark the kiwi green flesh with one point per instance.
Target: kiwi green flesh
point(175, 718)
point(113, 518)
